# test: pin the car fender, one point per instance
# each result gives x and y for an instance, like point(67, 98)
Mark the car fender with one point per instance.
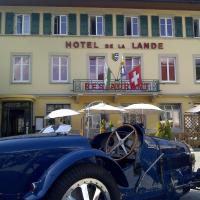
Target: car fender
point(57, 168)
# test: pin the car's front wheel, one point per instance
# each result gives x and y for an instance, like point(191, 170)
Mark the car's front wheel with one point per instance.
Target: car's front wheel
point(85, 182)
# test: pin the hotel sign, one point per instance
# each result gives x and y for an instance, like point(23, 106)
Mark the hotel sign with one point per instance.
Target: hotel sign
point(95, 45)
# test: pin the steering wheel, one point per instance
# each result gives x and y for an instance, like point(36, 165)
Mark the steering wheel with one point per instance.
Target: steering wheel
point(122, 142)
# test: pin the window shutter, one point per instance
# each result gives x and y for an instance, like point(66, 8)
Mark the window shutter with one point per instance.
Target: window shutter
point(84, 24)
point(155, 26)
point(72, 24)
point(0, 23)
point(47, 23)
point(120, 25)
point(35, 20)
point(108, 25)
point(178, 26)
point(189, 27)
point(143, 25)
point(9, 29)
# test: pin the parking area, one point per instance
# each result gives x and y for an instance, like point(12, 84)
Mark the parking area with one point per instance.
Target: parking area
point(193, 194)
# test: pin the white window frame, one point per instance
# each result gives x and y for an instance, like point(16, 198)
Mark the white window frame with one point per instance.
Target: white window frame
point(60, 24)
point(195, 68)
point(132, 65)
point(96, 24)
point(171, 111)
point(96, 60)
point(138, 26)
point(175, 66)
point(23, 24)
point(21, 69)
point(59, 81)
point(166, 29)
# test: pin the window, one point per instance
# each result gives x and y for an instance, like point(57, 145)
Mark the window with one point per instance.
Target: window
point(196, 28)
point(96, 68)
point(132, 26)
point(60, 25)
point(166, 27)
point(23, 24)
point(168, 73)
point(21, 69)
point(131, 118)
point(130, 63)
point(172, 113)
point(96, 25)
point(59, 69)
point(52, 107)
point(197, 69)
point(134, 118)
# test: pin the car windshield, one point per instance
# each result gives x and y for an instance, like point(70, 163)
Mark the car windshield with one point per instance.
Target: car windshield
point(62, 128)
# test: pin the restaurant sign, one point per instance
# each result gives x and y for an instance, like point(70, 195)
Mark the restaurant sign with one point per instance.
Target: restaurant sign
point(116, 86)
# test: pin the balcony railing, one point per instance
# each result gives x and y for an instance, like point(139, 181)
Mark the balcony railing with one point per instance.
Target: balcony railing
point(122, 86)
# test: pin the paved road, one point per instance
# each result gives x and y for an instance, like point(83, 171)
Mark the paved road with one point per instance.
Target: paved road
point(193, 194)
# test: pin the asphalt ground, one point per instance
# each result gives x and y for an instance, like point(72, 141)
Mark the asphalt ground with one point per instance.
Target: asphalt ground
point(193, 194)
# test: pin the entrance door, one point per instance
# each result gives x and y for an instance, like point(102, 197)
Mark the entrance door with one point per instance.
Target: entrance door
point(16, 118)
point(17, 122)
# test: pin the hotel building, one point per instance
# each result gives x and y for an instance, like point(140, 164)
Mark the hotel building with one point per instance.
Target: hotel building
point(54, 54)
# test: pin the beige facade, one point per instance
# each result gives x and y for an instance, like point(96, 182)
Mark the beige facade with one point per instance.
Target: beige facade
point(40, 90)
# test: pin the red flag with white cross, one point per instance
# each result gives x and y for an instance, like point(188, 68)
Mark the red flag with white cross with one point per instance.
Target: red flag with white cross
point(135, 78)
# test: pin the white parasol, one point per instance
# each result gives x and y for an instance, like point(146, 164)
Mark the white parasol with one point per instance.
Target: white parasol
point(61, 113)
point(143, 108)
point(104, 108)
point(195, 109)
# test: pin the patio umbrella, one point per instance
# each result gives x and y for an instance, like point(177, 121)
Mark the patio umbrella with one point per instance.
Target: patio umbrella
point(195, 109)
point(104, 108)
point(61, 113)
point(143, 108)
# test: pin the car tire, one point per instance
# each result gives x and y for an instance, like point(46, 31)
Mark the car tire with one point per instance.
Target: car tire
point(91, 178)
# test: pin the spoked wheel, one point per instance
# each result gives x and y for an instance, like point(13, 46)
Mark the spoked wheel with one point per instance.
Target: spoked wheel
point(85, 182)
point(86, 189)
point(122, 142)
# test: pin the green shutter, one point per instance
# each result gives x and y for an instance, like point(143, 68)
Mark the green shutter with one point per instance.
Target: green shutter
point(143, 25)
point(120, 25)
point(108, 25)
point(72, 24)
point(35, 23)
point(84, 24)
point(9, 29)
point(47, 23)
point(0, 23)
point(189, 27)
point(155, 26)
point(178, 26)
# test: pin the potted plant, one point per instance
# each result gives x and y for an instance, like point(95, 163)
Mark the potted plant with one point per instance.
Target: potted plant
point(102, 126)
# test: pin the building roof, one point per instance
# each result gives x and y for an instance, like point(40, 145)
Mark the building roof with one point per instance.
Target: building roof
point(138, 4)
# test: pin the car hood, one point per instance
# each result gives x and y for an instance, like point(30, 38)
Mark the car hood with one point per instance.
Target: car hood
point(42, 141)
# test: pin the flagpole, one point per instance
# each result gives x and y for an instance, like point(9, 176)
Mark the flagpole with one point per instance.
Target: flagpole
point(121, 70)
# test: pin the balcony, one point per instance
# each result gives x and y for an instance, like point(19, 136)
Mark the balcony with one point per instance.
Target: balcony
point(88, 86)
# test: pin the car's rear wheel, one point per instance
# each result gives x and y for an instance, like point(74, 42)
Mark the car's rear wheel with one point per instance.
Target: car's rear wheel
point(85, 182)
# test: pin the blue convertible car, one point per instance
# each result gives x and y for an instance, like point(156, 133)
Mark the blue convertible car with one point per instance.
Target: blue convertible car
point(124, 164)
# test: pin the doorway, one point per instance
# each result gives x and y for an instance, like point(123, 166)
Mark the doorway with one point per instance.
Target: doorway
point(16, 118)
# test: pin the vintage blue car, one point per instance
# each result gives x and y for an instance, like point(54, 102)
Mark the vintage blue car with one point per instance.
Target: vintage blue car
point(124, 164)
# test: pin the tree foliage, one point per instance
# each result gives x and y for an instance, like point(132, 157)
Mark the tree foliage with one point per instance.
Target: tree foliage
point(164, 130)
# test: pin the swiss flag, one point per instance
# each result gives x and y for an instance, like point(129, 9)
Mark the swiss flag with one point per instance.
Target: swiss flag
point(135, 77)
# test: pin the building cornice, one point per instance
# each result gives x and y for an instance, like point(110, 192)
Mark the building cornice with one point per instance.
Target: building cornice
point(136, 4)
